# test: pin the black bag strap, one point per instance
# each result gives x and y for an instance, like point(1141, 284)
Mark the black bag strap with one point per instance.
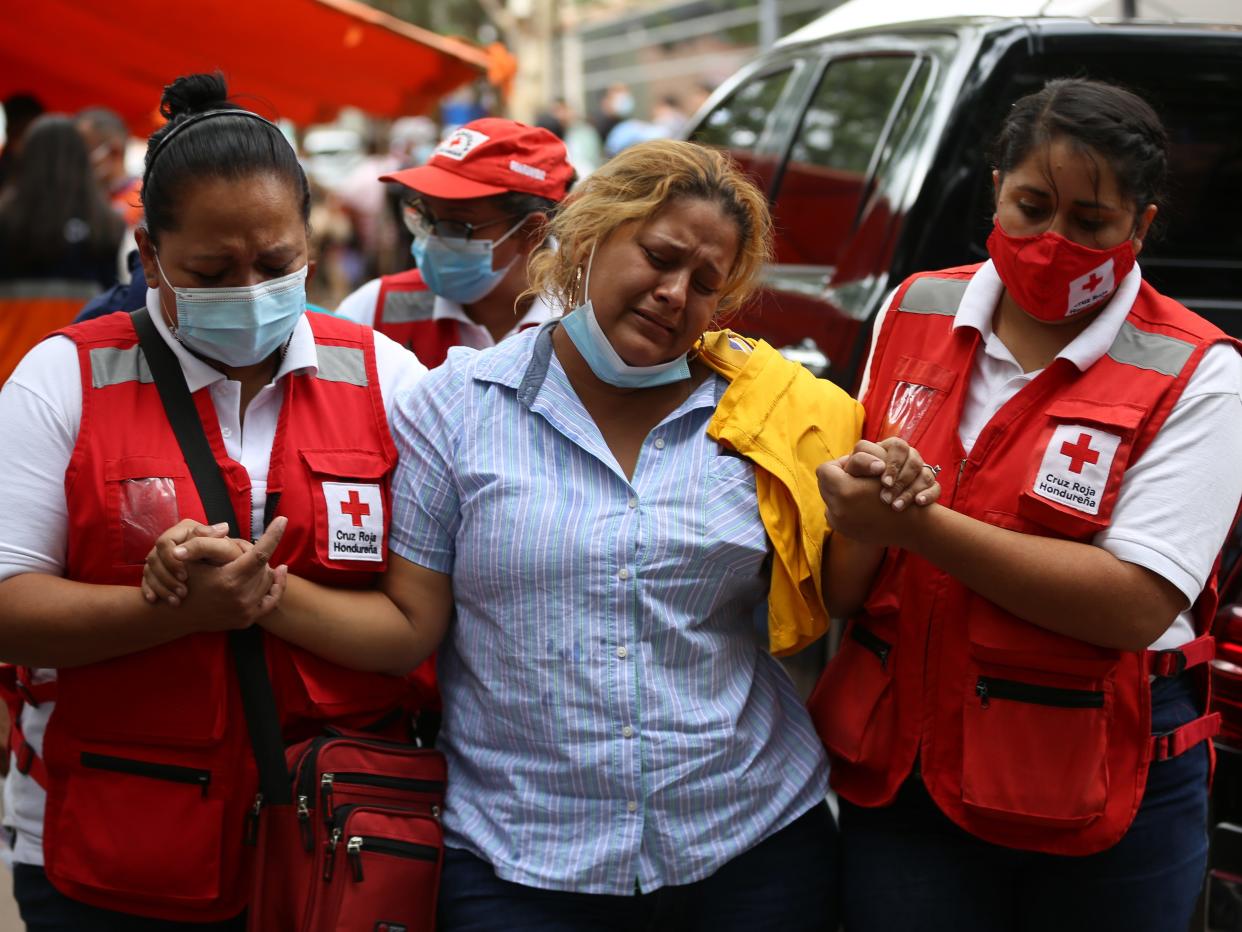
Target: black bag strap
point(249, 657)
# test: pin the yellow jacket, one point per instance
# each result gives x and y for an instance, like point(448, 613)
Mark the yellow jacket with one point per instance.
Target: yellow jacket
point(786, 422)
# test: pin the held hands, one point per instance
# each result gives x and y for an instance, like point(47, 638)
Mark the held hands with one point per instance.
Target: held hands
point(866, 491)
point(223, 583)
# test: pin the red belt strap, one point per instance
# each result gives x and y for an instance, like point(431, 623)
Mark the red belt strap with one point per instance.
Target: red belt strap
point(34, 693)
point(1185, 737)
point(18, 689)
point(1176, 660)
point(24, 757)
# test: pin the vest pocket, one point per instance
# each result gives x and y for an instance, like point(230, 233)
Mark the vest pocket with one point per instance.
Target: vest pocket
point(329, 692)
point(1077, 465)
point(141, 828)
point(919, 389)
point(141, 503)
point(855, 683)
point(1035, 742)
point(349, 492)
point(111, 701)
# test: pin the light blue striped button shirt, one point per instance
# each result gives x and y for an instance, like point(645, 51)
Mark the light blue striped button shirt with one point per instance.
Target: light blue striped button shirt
point(611, 714)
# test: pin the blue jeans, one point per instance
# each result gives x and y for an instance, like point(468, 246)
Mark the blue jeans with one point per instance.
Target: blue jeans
point(906, 866)
point(787, 882)
point(46, 909)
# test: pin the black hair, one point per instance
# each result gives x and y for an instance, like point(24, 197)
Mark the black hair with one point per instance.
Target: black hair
point(545, 119)
point(106, 124)
point(219, 146)
point(519, 203)
point(1095, 116)
point(21, 109)
point(52, 206)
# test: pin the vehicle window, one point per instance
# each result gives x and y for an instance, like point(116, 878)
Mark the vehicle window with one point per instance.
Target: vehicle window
point(905, 115)
point(820, 190)
point(739, 122)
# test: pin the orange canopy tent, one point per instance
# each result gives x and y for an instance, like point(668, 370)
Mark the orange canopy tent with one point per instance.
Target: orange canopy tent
point(298, 59)
point(301, 60)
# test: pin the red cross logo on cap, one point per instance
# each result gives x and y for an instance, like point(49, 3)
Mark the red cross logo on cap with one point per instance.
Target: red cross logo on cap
point(356, 509)
point(1094, 282)
point(1080, 453)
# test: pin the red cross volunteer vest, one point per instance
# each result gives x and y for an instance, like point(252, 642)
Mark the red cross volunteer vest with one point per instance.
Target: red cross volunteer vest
point(149, 770)
point(403, 312)
point(1023, 737)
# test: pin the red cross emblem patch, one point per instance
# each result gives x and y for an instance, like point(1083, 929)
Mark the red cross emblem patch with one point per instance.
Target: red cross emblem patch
point(1075, 467)
point(355, 521)
point(458, 145)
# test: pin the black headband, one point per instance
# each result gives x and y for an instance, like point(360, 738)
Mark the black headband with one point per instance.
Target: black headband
point(198, 118)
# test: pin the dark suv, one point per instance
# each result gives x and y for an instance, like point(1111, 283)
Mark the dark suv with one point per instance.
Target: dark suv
point(872, 146)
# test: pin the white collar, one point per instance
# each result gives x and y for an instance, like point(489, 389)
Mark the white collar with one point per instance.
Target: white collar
point(299, 355)
point(444, 309)
point(984, 291)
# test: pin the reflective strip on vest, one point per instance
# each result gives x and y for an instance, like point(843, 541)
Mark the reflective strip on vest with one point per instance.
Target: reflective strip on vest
point(404, 307)
point(1155, 351)
point(341, 364)
point(112, 366)
point(934, 296)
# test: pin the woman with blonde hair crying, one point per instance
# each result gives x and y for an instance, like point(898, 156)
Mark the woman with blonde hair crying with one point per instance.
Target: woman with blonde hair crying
point(624, 751)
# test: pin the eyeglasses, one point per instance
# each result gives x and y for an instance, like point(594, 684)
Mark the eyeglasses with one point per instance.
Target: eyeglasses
point(419, 221)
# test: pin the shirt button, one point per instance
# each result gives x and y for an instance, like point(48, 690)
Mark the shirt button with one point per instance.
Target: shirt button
point(659, 443)
point(633, 503)
point(631, 806)
point(622, 652)
point(226, 431)
point(624, 574)
point(627, 732)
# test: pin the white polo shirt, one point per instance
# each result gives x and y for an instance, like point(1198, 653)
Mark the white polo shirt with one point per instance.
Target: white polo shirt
point(42, 405)
point(360, 307)
point(1176, 502)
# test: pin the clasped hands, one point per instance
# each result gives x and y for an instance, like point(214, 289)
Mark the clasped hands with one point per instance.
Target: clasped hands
point(869, 493)
point(221, 583)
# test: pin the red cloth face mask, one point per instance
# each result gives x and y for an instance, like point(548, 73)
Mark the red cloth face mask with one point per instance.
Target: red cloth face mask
point(1052, 278)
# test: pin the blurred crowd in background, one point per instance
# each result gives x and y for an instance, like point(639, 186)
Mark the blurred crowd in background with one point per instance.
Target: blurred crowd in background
point(70, 184)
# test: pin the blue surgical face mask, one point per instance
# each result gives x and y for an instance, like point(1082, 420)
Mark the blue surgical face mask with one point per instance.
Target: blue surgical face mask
point(593, 344)
point(239, 326)
point(459, 269)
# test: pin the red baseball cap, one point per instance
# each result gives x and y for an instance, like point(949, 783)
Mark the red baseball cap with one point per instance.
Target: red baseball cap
point(492, 156)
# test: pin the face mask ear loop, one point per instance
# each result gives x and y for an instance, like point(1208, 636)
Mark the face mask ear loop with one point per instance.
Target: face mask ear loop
point(586, 286)
point(509, 232)
point(172, 327)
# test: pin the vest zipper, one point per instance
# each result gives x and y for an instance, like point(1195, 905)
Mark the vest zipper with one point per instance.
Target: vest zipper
point(871, 642)
point(988, 688)
point(390, 846)
point(174, 773)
